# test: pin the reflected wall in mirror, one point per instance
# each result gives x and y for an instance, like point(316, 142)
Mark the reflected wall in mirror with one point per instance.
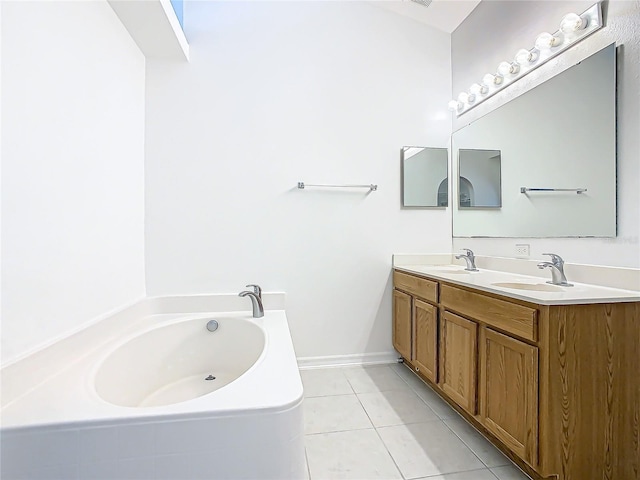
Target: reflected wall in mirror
point(479, 179)
point(424, 177)
point(560, 135)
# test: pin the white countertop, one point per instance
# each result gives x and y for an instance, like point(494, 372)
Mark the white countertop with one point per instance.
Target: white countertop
point(529, 288)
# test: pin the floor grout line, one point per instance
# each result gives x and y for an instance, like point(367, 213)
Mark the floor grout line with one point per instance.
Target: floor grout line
point(453, 473)
point(306, 460)
point(341, 431)
point(381, 440)
point(414, 390)
point(453, 431)
point(510, 463)
point(485, 468)
point(332, 395)
point(465, 444)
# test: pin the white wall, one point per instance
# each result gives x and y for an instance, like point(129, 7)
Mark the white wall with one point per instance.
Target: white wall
point(281, 92)
point(72, 161)
point(495, 31)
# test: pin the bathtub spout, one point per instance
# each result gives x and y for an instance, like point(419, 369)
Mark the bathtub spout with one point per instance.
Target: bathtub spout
point(256, 303)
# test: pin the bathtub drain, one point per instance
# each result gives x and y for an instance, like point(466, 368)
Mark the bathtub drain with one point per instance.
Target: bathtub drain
point(210, 377)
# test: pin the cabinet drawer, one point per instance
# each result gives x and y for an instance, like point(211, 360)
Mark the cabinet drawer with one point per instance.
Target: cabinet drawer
point(510, 317)
point(417, 286)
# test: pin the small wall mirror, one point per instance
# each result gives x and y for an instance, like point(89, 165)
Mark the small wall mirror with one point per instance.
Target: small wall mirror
point(479, 179)
point(424, 177)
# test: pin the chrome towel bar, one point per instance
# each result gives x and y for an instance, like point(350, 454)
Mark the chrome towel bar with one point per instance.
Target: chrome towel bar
point(371, 187)
point(577, 190)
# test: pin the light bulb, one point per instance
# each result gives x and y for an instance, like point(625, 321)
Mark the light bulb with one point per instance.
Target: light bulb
point(523, 57)
point(490, 79)
point(455, 106)
point(573, 22)
point(465, 97)
point(478, 89)
point(506, 68)
point(546, 41)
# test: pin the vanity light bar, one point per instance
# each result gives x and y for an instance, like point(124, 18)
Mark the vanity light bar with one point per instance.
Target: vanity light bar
point(573, 28)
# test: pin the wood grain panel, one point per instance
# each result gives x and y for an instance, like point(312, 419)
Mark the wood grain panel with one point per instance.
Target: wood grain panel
point(504, 315)
point(402, 323)
point(425, 339)
point(592, 424)
point(420, 287)
point(509, 392)
point(459, 352)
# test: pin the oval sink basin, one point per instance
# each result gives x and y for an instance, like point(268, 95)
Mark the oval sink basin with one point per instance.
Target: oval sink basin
point(538, 287)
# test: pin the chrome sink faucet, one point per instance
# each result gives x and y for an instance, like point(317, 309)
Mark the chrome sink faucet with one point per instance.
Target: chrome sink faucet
point(557, 270)
point(470, 258)
point(256, 289)
point(256, 300)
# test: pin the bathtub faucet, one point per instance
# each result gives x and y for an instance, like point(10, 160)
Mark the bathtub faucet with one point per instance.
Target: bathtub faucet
point(256, 303)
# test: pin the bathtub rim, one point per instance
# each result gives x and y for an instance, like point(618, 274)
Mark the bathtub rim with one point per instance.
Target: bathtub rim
point(19, 414)
point(150, 419)
point(82, 340)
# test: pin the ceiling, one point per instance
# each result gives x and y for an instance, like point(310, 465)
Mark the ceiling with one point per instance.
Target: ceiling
point(444, 15)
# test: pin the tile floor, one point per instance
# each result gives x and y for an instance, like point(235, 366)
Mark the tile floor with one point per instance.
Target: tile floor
point(382, 422)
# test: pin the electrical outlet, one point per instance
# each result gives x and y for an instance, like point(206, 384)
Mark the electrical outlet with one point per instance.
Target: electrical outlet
point(522, 250)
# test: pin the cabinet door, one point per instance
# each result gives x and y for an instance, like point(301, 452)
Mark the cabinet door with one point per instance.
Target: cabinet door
point(509, 392)
point(425, 339)
point(459, 352)
point(402, 323)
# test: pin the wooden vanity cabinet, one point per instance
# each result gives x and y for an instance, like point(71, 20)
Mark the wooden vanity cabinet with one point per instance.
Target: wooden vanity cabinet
point(555, 387)
point(415, 323)
point(506, 370)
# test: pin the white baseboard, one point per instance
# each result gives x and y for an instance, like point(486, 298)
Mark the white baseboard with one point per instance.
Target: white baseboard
point(378, 358)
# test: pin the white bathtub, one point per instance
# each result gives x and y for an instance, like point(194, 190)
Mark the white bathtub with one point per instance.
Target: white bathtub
point(179, 361)
point(137, 405)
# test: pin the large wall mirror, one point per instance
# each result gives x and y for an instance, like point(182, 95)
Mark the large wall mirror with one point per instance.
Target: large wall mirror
point(425, 182)
point(557, 158)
